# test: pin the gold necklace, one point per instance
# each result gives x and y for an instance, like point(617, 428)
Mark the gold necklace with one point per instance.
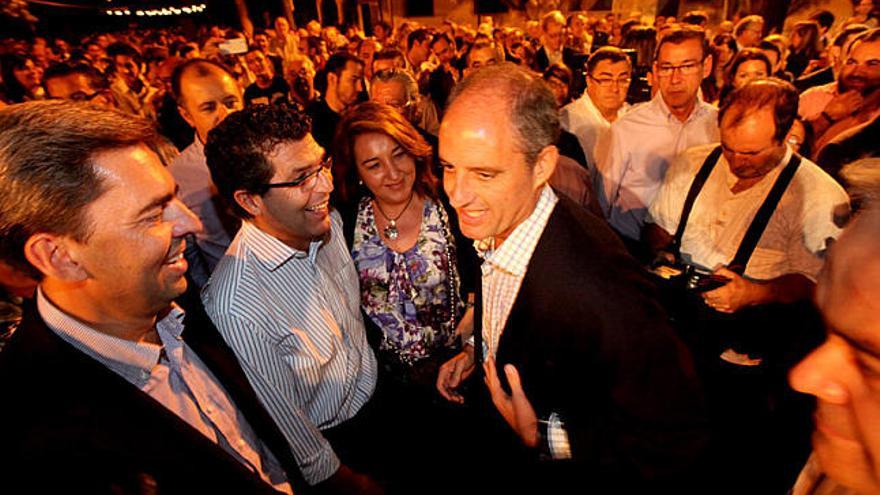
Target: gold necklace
point(390, 231)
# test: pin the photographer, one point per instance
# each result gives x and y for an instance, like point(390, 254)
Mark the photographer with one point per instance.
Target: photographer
point(748, 221)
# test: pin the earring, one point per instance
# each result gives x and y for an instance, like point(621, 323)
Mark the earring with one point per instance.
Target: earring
point(360, 182)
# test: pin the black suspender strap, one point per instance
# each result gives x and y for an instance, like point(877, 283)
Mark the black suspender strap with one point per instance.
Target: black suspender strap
point(762, 218)
point(478, 323)
point(696, 187)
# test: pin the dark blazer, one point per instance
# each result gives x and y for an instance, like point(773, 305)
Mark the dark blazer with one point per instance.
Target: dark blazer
point(592, 344)
point(71, 425)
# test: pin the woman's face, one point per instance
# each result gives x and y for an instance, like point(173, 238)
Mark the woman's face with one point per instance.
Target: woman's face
point(28, 76)
point(386, 168)
point(864, 7)
point(749, 71)
point(724, 54)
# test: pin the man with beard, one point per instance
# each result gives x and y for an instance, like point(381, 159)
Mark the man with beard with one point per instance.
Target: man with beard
point(131, 91)
point(344, 74)
point(269, 88)
point(855, 99)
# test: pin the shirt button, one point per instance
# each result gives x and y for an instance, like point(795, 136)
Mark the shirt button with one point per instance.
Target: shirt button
point(209, 410)
point(241, 443)
point(145, 374)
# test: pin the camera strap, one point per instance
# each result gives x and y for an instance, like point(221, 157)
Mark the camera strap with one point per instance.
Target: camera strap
point(759, 223)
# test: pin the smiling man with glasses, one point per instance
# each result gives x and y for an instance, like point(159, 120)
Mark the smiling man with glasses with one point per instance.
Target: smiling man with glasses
point(645, 140)
point(286, 298)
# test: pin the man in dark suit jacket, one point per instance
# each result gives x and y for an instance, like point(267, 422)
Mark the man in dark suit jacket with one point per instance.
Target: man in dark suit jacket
point(593, 377)
point(108, 386)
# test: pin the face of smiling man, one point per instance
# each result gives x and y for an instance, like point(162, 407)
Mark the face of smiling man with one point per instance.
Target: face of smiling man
point(486, 176)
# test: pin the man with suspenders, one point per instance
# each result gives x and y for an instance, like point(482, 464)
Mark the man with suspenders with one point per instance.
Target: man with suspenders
point(748, 221)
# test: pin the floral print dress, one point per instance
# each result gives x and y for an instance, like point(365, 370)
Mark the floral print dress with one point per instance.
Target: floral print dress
point(413, 297)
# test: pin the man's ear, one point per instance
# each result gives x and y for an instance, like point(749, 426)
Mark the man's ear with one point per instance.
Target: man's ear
point(55, 256)
point(186, 116)
point(545, 165)
point(249, 202)
point(707, 66)
point(332, 79)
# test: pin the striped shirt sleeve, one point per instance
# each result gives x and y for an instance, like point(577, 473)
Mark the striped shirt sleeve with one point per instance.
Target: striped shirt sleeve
point(269, 368)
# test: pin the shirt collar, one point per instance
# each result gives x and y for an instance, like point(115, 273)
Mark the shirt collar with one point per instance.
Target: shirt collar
point(514, 254)
point(270, 251)
point(591, 107)
point(128, 358)
point(700, 108)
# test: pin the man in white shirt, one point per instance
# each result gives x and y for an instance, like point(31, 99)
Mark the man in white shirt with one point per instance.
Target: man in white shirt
point(206, 93)
point(286, 298)
point(647, 138)
point(743, 333)
point(609, 72)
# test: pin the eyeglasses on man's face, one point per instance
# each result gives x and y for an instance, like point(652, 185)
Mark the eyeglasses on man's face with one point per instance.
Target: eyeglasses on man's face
point(308, 179)
point(607, 82)
point(687, 69)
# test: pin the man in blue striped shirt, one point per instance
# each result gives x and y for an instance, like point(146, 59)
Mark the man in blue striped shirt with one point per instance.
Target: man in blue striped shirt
point(285, 297)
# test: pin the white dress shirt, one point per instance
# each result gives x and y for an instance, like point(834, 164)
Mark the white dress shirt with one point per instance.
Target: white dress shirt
point(643, 144)
point(796, 235)
point(593, 130)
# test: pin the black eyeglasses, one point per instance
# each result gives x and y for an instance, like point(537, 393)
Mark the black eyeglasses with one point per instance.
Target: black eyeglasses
point(307, 180)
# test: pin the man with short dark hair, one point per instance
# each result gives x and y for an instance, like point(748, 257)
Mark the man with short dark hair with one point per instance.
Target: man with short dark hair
point(418, 50)
point(748, 31)
point(206, 94)
point(481, 54)
point(553, 49)
point(131, 91)
point(77, 82)
point(286, 297)
point(345, 82)
point(576, 374)
point(647, 138)
point(835, 53)
point(853, 99)
point(759, 219)
point(118, 390)
point(443, 78)
point(609, 73)
point(269, 88)
point(262, 43)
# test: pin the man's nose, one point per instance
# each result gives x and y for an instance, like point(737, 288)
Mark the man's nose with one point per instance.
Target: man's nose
point(817, 373)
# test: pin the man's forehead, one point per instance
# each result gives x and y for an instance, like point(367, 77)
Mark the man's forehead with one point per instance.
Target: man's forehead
point(388, 89)
point(353, 68)
point(611, 67)
point(689, 49)
point(299, 153)
point(64, 86)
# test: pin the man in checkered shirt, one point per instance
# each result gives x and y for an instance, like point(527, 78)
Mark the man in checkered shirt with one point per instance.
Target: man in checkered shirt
point(595, 387)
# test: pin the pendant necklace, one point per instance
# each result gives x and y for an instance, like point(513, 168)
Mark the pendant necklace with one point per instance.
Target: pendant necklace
point(390, 231)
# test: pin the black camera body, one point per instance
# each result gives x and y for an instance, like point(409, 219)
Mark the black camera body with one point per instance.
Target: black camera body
point(689, 277)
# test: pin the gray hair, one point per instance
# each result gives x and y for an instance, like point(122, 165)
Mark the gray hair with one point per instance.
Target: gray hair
point(529, 104)
point(400, 76)
point(862, 180)
point(47, 177)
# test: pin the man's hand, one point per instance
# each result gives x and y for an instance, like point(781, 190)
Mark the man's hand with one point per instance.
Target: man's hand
point(516, 408)
point(453, 372)
point(844, 105)
point(734, 295)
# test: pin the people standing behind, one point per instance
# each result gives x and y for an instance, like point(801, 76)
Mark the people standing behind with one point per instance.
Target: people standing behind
point(262, 43)
point(269, 88)
point(206, 93)
point(674, 120)
point(834, 59)
point(553, 49)
point(155, 401)
point(854, 99)
point(285, 43)
point(128, 84)
point(777, 61)
point(865, 12)
point(446, 75)
point(748, 31)
point(418, 51)
point(635, 425)
point(642, 39)
point(578, 38)
point(825, 20)
point(806, 46)
point(396, 88)
point(481, 54)
point(590, 117)
point(722, 50)
point(748, 64)
point(22, 80)
point(344, 78)
point(285, 297)
point(77, 82)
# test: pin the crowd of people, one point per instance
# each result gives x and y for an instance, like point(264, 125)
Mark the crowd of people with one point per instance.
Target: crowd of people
point(587, 253)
